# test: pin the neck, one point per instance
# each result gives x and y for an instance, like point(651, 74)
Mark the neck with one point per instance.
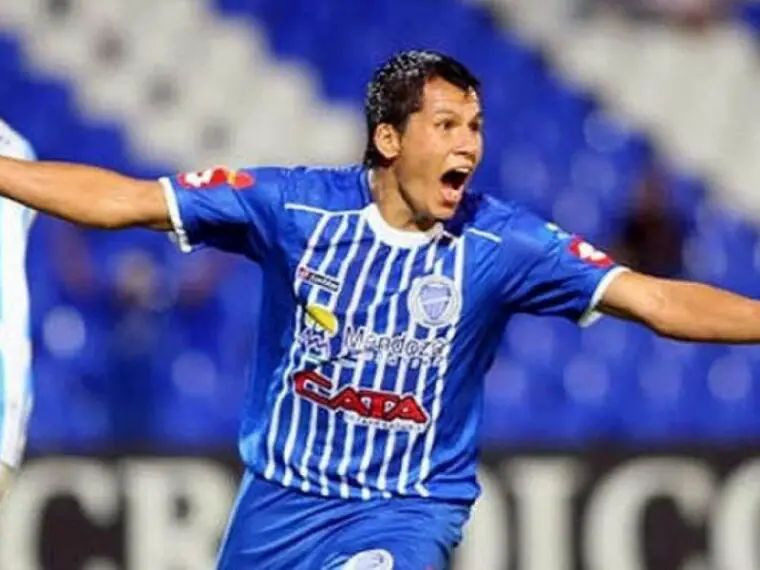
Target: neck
point(393, 207)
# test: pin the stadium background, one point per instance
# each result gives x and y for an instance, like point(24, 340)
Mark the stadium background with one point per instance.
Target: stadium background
point(633, 123)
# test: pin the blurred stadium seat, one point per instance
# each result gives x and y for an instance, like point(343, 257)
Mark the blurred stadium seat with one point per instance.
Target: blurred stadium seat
point(112, 368)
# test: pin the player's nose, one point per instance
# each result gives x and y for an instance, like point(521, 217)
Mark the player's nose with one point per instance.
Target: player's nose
point(469, 146)
point(468, 150)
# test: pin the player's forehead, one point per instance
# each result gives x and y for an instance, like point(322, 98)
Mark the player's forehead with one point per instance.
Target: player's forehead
point(441, 97)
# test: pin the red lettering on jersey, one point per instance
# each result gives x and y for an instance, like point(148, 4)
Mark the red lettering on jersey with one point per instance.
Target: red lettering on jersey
point(588, 253)
point(407, 409)
point(348, 399)
point(306, 384)
point(379, 402)
point(385, 407)
point(214, 177)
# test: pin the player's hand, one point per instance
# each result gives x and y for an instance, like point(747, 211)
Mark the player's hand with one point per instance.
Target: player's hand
point(13, 145)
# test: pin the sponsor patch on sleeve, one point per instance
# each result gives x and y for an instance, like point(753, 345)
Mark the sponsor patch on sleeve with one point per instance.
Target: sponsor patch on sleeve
point(215, 177)
point(589, 254)
point(582, 249)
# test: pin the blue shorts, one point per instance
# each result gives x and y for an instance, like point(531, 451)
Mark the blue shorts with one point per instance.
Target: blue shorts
point(274, 528)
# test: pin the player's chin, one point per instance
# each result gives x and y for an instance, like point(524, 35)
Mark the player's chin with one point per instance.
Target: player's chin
point(445, 211)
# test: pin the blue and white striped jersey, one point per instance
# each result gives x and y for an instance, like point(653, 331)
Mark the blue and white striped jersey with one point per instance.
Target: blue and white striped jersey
point(15, 342)
point(368, 380)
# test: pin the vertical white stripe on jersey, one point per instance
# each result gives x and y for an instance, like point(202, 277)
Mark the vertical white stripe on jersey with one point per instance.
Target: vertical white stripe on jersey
point(303, 469)
point(15, 344)
point(382, 288)
point(380, 374)
point(327, 451)
point(312, 298)
point(274, 426)
point(361, 283)
point(403, 479)
point(437, 401)
point(382, 480)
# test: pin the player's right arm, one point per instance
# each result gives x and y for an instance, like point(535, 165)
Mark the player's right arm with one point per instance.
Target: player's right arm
point(85, 194)
point(238, 211)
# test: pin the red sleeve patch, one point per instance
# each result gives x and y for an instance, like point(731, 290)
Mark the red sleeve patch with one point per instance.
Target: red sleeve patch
point(589, 254)
point(214, 177)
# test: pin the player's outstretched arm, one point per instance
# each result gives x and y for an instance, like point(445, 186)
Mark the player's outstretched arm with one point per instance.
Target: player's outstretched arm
point(84, 194)
point(683, 310)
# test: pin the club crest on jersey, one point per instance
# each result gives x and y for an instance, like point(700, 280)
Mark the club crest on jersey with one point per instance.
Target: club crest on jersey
point(214, 177)
point(377, 559)
point(434, 301)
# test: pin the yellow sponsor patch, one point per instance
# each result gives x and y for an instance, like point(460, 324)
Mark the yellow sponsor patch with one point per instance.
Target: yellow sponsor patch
point(322, 317)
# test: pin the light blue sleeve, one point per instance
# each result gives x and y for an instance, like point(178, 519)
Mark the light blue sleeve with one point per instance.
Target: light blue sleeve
point(13, 144)
point(15, 342)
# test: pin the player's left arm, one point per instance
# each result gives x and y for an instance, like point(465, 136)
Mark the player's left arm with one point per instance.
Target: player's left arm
point(683, 310)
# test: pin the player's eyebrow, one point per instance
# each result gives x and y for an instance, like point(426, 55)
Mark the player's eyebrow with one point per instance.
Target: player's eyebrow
point(445, 111)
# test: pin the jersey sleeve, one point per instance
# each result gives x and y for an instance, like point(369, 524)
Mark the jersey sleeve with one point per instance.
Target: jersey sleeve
point(236, 211)
point(13, 145)
point(15, 341)
point(551, 272)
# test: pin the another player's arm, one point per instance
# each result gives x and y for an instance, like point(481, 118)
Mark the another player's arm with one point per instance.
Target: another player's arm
point(84, 194)
point(683, 310)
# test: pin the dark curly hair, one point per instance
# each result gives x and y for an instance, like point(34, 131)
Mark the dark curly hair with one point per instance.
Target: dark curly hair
point(395, 91)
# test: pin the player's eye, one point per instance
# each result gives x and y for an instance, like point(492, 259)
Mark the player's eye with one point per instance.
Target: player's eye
point(476, 126)
point(446, 124)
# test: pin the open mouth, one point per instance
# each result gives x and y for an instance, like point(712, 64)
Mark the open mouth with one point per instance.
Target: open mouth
point(454, 181)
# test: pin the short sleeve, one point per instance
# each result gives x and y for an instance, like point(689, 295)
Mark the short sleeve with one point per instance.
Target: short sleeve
point(13, 145)
point(548, 271)
point(236, 211)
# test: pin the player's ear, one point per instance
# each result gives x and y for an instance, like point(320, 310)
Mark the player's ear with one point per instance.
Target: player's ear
point(387, 141)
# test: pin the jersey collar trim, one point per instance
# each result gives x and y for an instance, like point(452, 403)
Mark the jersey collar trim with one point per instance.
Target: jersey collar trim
point(396, 237)
point(386, 232)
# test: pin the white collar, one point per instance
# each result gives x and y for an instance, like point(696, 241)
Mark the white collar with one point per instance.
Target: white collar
point(396, 237)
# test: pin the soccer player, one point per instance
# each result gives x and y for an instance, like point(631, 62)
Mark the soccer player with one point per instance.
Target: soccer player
point(387, 286)
point(15, 345)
